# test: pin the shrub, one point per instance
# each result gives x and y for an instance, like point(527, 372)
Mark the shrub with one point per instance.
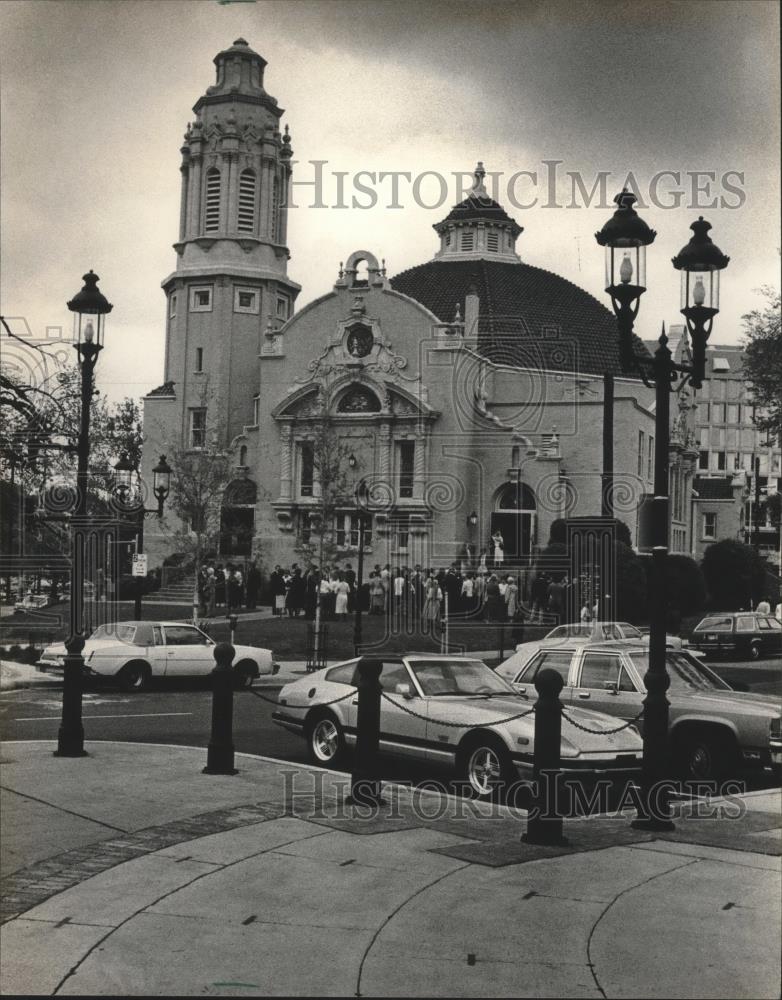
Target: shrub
point(631, 601)
point(734, 574)
point(685, 587)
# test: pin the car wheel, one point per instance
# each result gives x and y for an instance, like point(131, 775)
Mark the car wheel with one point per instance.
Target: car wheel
point(754, 651)
point(244, 675)
point(326, 741)
point(134, 677)
point(484, 766)
point(703, 756)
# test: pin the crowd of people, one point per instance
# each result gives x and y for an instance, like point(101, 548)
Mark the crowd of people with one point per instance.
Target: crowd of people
point(411, 594)
point(491, 594)
point(228, 587)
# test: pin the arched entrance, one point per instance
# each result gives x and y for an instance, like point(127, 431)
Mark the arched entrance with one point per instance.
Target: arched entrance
point(237, 518)
point(514, 517)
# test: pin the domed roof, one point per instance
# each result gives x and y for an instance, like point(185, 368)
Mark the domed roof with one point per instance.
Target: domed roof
point(528, 317)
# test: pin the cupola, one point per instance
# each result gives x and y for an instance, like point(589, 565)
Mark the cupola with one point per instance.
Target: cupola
point(478, 228)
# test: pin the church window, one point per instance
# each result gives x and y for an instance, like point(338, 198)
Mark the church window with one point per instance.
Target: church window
point(199, 359)
point(172, 306)
point(493, 242)
point(358, 399)
point(200, 299)
point(347, 526)
point(406, 467)
point(448, 239)
point(283, 306)
point(466, 241)
point(640, 464)
point(198, 428)
point(246, 216)
point(243, 455)
point(246, 300)
point(256, 410)
point(306, 468)
point(212, 213)
point(401, 529)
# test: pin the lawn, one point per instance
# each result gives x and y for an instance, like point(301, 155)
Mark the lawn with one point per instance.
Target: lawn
point(287, 637)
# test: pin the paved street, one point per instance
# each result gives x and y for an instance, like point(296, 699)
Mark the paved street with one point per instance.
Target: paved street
point(181, 714)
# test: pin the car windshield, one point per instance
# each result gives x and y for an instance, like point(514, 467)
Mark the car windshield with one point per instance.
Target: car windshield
point(686, 673)
point(123, 633)
point(715, 625)
point(458, 677)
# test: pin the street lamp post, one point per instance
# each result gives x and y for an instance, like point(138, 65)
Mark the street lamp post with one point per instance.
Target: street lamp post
point(625, 238)
point(362, 497)
point(90, 308)
point(127, 485)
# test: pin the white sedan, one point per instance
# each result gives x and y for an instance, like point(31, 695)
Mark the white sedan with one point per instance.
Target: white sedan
point(133, 653)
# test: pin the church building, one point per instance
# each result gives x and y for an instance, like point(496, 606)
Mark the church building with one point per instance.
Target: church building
point(463, 397)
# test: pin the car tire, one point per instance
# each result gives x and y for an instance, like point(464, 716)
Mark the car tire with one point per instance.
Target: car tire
point(754, 651)
point(244, 675)
point(484, 767)
point(326, 741)
point(704, 755)
point(134, 677)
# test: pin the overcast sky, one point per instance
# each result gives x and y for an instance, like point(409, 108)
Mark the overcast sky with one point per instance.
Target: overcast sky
point(96, 97)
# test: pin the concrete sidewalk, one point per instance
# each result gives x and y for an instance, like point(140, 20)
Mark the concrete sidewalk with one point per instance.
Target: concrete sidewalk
point(129, 872)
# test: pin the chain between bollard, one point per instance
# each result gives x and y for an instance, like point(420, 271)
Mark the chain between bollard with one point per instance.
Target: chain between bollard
point(601, 732)
point(456, 725)
point(318, 704)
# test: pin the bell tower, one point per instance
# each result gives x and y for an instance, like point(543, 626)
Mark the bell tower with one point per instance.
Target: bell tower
point(231, 283)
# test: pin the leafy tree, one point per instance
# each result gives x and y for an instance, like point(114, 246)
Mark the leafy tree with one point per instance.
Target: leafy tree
point(198, 481)
point(763, 362)
point(734, 573)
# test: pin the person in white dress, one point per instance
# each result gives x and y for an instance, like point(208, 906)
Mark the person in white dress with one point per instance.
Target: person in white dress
point(499, 548)
point(342, 591)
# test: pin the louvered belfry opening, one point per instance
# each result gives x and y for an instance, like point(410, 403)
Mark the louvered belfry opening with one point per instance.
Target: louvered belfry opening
point(212, 213)
point(246, 215)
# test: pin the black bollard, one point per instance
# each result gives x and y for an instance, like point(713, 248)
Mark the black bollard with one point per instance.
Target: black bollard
point(70, 738)
point(364, 781)
point(220, 754)
point(544, 825)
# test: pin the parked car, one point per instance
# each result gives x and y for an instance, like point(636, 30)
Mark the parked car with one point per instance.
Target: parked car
point(485, 753)
point(32, 602)
point(744, 634)
point(133, 653)
point(569, 635)
point(715, 731)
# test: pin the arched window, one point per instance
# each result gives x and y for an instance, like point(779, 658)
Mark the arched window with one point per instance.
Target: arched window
point(246, 216)
point(212, 213)
point(516, 496)
point(358, 399)
point(243, 455)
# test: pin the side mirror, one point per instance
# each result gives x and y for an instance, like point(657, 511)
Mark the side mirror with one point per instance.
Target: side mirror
point(405, 690)
point(521, 689)
point(612, 687)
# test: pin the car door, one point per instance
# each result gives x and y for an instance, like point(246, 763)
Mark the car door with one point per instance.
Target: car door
point(156, 651)
point(770, 632)
point(188, 651)
point(604, 684)
point(401, 733)
point(560, 659)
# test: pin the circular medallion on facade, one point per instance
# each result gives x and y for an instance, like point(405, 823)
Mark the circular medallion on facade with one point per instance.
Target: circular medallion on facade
point(359, 342)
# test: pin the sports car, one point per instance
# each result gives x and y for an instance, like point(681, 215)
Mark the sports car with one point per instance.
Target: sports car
point(453, 711)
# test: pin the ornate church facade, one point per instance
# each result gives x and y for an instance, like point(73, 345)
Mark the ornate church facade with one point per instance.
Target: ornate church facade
point(464, 396)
